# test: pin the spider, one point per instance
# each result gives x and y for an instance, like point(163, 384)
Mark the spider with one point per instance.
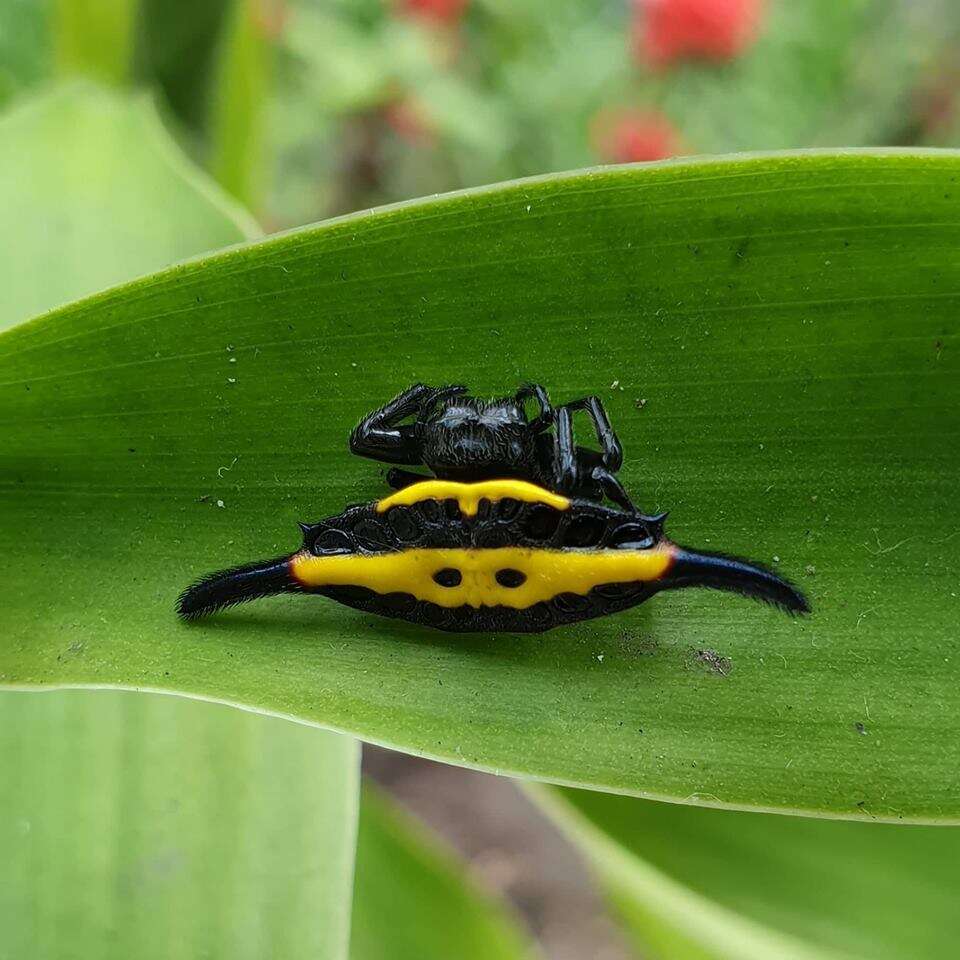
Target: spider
point(468, 439)
point(526, 560)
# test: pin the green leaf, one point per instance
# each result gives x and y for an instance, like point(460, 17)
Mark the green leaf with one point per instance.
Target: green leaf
point(134, 825)
point(146, 826)
point(97, 193)
point(95, 37)
point(725, 885)
point(176, 50)
point(241, 74)
point(791, 321)
point(24, 44)
point(415, 899)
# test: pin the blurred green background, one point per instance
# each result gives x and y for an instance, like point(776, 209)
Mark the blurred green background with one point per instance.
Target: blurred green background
point(310, 108)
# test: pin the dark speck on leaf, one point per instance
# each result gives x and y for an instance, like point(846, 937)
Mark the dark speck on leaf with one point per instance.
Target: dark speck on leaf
point(715, 661)
point(860, 728)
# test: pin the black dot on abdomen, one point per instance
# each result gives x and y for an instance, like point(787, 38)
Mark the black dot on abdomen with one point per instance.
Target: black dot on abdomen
point(510, 578)
point(448, 577)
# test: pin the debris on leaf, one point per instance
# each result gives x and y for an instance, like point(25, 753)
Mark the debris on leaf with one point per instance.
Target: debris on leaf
point(716, 662)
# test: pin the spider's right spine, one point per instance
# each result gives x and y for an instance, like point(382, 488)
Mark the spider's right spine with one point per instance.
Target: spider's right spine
point(694, 568)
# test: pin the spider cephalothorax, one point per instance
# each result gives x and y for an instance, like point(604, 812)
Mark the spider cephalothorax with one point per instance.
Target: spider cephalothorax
point(460, 437)
point(470, 437)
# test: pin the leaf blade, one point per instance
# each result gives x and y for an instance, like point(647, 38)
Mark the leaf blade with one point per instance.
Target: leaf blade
point(788, 349)
point(156, 827)
point(152, 826)
point(414, 899)
point(121, 163)
point(95, 38)
point(732, 884)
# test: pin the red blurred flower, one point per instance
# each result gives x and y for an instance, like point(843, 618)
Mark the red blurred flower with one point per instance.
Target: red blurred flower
point(665, 31)
point(936, 106)
point(631, 136)
point(436, 11)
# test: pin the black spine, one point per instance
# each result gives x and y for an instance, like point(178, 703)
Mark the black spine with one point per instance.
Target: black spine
point(721, 572)
point(237, 585)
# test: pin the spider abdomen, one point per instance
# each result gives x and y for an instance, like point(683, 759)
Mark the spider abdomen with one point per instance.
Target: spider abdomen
point(501, 555)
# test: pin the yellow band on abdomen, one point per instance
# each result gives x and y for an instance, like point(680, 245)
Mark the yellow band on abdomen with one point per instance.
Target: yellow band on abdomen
point(469, 495)
point(547, 572)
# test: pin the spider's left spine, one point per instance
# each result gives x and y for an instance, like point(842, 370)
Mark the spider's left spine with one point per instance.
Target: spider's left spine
point(236, 585)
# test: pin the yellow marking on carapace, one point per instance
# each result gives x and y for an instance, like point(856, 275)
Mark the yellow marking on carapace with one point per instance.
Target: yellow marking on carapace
point(469, 495)
point(548, 572)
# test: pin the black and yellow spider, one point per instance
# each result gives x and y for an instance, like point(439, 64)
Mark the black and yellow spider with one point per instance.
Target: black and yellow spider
point(512, 533)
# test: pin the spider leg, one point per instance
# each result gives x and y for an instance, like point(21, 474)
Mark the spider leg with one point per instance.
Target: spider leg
point(398, 479)
point(539, 393)
point(380, 435)
point(606, 435)
point(579, 470)
point(566, 473)
point(613, 488)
